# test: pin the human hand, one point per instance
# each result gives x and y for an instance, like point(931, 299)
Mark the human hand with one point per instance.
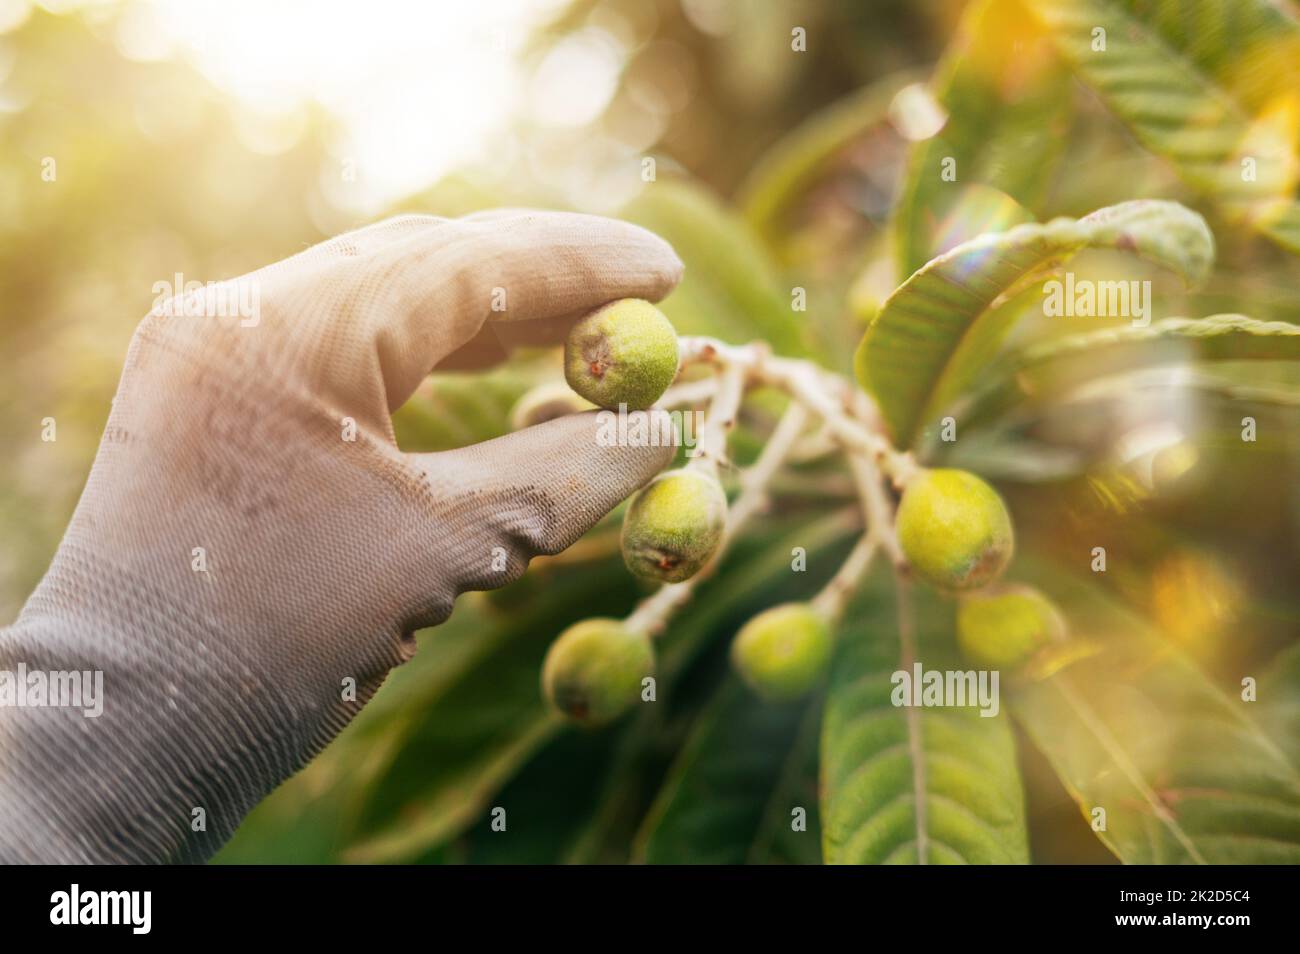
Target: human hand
point(236, 563)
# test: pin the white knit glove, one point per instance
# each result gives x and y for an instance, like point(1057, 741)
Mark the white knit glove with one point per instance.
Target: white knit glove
point(226, 449)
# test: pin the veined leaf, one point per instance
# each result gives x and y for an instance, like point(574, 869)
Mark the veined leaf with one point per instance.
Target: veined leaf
point(907, 785)
point(1058, 364)
point(469, 736)
point(943, 324)
point(796, 160)
point(1213, 87)
point(1181, 771)
point(1008, 102)
point(738, 778)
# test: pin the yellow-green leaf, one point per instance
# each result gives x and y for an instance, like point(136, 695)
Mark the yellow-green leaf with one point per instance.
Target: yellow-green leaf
point(942, 325)
point(1008, 103)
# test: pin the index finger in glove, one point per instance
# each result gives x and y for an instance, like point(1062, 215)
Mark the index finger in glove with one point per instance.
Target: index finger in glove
point(519, 266)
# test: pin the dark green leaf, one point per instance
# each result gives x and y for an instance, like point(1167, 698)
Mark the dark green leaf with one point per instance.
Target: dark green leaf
point(735, 782)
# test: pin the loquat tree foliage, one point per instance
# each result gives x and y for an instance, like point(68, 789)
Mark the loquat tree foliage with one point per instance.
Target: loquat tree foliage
point(921, 471)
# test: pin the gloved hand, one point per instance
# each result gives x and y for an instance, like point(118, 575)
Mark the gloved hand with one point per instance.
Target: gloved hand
point(322, 555)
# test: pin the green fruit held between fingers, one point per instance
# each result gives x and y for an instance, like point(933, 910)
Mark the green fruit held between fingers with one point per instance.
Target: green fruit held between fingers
point(783, 652)
point(593, 671)
point(954, 529)
point(674, 525)
point(1002, 628)
point(624, 353)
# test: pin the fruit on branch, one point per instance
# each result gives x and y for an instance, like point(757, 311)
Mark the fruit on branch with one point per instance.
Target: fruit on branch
point(623, 353)
point(593, 671)
point(782, 652)
point(673, 525)
point(1004, 626)
point(954, 529)
point(544, 403)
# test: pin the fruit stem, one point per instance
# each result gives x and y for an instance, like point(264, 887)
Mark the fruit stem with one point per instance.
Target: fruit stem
point(876, 507)
point(710, 450)
point(689, 393)
point(828, 395)
point(833, 598)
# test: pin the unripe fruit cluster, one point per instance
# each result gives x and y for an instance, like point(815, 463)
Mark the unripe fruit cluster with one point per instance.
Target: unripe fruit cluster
point(953, 528)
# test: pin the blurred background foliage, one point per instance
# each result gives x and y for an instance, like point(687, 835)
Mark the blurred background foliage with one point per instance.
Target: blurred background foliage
point(774, 169)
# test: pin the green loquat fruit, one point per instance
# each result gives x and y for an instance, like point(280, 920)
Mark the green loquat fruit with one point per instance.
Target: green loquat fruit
point(782, 652)
point(593, 670)
point(954, 529)
point(623, 353)
point(1005, 626)
point(673, 525)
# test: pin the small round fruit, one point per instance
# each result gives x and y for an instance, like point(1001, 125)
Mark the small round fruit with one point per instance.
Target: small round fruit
point(545, 403)
point(623, 353)
point(782, 652)
point(1002, 628)
point(673, 525)
point(593, 671)
point(954, 529)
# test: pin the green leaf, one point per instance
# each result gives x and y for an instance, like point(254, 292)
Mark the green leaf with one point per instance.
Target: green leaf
point(1282, 225)
point(1058, 364)
point(464, 739)
point(798, 159)
point(453, 409)
point(1202, 83)
point(1182, 772)
point(943, 325)
point(881, 762)
point(547, 803)
point(1008, 102)
point(1279, 697)
point(730, 794)
point(730, 288)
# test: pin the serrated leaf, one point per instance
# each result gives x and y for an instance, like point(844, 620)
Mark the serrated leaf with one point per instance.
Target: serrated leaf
point(942, 325)
point(739, 776)
point(1056, 365)
point(1203, 83)
point(1008, 102)
point(880, 762)
point(1182, 772)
